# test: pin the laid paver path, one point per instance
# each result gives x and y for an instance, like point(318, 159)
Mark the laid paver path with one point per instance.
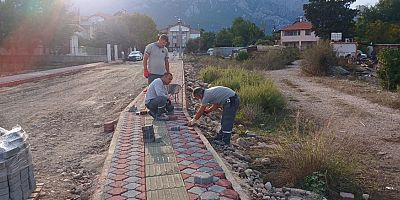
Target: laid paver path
point(180, 164)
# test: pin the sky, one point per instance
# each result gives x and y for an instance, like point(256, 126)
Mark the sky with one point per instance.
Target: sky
point(364, 2)
point(93, 6)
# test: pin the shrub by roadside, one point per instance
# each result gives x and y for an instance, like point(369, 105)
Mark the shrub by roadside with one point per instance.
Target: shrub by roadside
point(253, 89)
point(389, 70)
point(320, 163)
point(318, 59)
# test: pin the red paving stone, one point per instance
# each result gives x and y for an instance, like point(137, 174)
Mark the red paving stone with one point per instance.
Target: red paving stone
point(230, 194)
point(117, 191)
point(130, 148)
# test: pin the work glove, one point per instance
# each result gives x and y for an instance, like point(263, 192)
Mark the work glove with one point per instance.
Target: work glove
point(146, 73)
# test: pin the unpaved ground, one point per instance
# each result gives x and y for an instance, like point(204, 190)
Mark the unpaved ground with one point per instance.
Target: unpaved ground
point(375, 128)
point(64, 118)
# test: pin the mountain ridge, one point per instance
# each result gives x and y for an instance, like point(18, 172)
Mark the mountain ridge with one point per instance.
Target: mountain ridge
point(203, 13)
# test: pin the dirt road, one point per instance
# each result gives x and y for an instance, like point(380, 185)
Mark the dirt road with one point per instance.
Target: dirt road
point(64, 118)
point(374, 127)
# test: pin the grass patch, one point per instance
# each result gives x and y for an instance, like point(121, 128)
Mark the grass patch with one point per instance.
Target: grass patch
point(253, 89)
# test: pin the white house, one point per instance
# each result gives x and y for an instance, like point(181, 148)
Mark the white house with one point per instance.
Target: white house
point(173, 35)
point(298, 34)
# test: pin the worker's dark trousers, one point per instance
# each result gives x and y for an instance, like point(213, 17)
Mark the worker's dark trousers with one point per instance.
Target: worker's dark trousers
point(230, 108)
point(159, 105)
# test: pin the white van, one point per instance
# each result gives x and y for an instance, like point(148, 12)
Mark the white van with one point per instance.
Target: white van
point(210, 51)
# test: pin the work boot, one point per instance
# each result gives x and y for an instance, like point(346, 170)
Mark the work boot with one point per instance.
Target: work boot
point(226, 138)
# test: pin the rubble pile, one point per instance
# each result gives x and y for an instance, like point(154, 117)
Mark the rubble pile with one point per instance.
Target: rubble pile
point(17, 180)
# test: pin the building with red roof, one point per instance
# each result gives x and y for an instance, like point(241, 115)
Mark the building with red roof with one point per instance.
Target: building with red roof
point(298, 34)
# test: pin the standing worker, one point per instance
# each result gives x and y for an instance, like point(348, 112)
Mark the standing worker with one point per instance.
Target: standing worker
point(155, 61)
point(218, 96)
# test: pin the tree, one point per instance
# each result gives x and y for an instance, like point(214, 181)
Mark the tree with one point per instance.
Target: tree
point(207, 40)
point(192, 45)
point(224, 38)
point(328, 16)
point(128, 30)
point(245, 32)
point(380, 23)
point(45, 21)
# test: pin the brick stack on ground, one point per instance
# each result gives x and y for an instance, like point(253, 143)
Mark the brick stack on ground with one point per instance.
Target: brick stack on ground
point(17, 180)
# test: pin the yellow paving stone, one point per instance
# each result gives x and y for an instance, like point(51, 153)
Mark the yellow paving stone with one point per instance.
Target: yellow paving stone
point(168, 194)
point(164, 182)
point(160, 158)
point(153, 150)
point(160, 169)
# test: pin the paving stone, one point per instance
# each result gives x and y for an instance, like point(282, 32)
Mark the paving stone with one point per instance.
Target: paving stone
point(211, 164)
point(190, 179)
point(205, 169)
point(132, 179)
point(216, 188)
point(195, 166)
point(117, 198)
point(202, 178)
point(194, 148)
point(159, 150)
point(161, 169)
point(230, 194)
point(209, 196)
point(131, 185)
point(201, 161)
point(168, 194)
point(118, 184)
point(4, 191)
point(117, 191)
point(130, 194)
point(185, 162)
point(189, 171)
point(220, 174)
point(164, 182)
point(132, 173)
point(197, 190)
point(224, 183)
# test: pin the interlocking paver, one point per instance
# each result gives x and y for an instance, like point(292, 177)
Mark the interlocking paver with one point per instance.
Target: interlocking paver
point(197, 190)
point(130, 194)
point(164, 169)
point(216, 188)
point(164, 182)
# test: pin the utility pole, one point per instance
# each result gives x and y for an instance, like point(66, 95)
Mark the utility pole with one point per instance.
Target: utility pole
point(180, 37)
point(198, 28)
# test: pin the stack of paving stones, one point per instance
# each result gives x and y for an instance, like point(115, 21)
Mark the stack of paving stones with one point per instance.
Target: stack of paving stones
point(17, 180)
point(202, 175)
point(126, 176)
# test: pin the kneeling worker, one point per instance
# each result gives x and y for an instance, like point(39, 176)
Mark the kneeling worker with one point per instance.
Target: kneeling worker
point(157, 98)
point(218, 96)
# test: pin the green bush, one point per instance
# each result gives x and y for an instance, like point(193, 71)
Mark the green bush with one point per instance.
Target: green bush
point(316, 183)
point(242, 55)
point(250, 114)
point(318, 59)
point(389, 68)
point(210, 74)
point(290, 54)
point(252, 88)
point(269, 60)
point(265, 94)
